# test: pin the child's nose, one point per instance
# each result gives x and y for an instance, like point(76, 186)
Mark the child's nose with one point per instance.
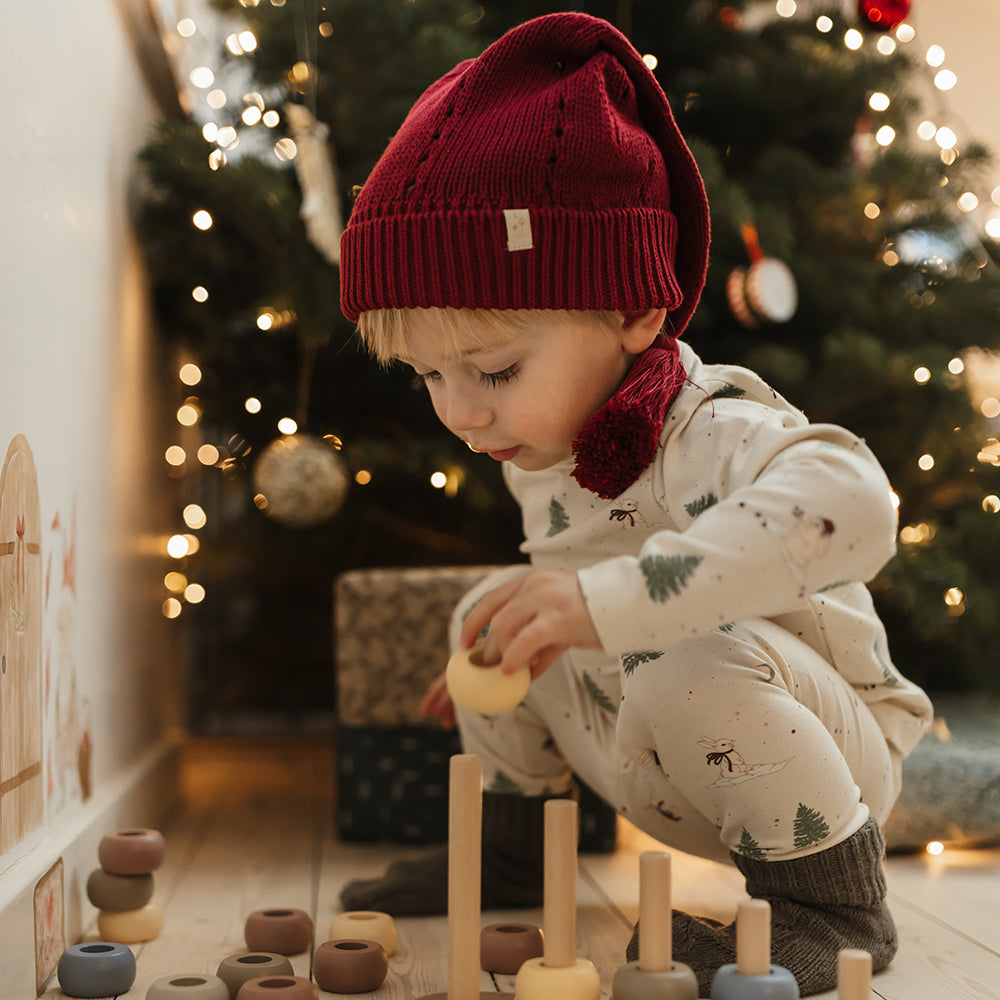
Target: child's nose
point(465, 411)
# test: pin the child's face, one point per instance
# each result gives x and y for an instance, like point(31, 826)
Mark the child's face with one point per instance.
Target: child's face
point(524, 397)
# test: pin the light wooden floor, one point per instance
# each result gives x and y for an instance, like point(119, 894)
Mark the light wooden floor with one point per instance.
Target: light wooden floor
point(256, 832)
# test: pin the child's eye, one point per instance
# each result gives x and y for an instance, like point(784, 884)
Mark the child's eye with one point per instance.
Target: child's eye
point(421, 379)
point(495, 379)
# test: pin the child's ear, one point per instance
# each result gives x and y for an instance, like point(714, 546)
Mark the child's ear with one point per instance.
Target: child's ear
point(640, 329)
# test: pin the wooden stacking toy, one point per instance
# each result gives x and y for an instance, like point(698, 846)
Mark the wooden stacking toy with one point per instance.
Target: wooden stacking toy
point(235, 970)
point(465, 831)
point(854, 974)
point(188, 986)
point(122, 888)
point(482, 688)
point(278, 988)
point(286, 931)
point(559, 973)
point(366, 925)
point(752, 976)
point(655, 976)
point(96, 969)
point(347, 966)
point(504, 948)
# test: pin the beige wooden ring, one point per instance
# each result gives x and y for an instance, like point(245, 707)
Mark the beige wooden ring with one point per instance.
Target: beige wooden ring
point(131, 926)
point(235, 970)
point(481, 688)
point(538, 981)
point(365, 925)
point(350, 966)
point(119, 892)
point(286, 931)
point(188, 987)
point(278, 988)
point(131, 852)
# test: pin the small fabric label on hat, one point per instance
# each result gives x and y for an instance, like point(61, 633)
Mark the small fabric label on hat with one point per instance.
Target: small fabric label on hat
point(518, 222)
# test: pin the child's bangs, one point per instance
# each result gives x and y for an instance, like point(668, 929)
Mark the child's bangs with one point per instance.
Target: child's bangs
point(384, 331)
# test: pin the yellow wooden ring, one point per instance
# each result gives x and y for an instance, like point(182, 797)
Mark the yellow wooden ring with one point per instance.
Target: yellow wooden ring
point(538, 981)
point(366, 925)
point(481, 688)
point(131, 926)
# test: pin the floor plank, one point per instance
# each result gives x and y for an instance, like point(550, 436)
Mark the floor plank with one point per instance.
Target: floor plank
point(256, 831)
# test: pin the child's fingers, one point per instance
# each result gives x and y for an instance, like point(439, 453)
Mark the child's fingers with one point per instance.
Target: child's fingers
point(483, 611)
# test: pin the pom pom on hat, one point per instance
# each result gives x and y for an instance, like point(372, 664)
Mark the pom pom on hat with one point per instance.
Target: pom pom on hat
point(546, 174)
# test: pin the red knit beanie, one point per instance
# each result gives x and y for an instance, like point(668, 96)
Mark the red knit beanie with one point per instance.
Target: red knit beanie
point(546, 174)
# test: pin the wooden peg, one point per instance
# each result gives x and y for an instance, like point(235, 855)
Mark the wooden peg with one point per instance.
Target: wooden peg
point(465, 830)
point(752, 976)
point(854, 974)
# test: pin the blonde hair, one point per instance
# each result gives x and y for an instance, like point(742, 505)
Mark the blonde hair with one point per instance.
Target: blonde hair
point(384, 331)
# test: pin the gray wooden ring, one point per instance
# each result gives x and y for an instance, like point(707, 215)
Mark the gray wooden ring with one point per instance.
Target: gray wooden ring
point(235, 970)
point(96, 969)
point(188, 986)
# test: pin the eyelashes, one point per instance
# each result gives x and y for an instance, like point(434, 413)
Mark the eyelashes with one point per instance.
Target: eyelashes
point(491, 379)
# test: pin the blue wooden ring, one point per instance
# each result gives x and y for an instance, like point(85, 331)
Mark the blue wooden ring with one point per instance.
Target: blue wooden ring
point(730, 984)
point(96, 969)
point(188, 986)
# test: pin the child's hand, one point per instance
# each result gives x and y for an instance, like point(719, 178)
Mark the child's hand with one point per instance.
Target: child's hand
point(533, 619)
point(437, 703)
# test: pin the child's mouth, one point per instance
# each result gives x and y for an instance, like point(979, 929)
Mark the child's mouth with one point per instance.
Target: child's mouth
point(506, 455)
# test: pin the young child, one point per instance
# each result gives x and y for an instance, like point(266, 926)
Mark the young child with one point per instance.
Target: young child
point(703, 649)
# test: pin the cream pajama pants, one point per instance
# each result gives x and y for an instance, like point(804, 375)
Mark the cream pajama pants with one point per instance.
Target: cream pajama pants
point(740, 739)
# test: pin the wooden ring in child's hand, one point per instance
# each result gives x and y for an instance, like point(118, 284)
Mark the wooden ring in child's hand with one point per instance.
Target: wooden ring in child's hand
point(481, 687)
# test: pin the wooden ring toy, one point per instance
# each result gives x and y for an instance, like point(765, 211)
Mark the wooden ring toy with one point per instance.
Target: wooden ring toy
point(365, 925)
point(481, 687)
point(131, 852)
point(287, 931)
point(96, 969)
point(350, 966)
point(538, 981)
point(184, 986)
point(278, 988)
point(632, 982)
point(235, 970)
point(504, 948)
point(119, 892)
point(131, 926)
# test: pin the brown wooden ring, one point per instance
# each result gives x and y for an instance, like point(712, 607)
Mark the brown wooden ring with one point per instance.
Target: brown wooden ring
point(131, 852)
point(235, 970)
point(504, 948)
point(278, 988)
point(287, 931)
point(119, 892)
point(350, 966)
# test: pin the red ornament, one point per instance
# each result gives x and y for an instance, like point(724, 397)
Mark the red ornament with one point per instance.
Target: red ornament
point(883, 15)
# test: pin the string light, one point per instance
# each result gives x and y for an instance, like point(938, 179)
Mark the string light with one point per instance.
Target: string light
point(935, 848)
point(199, 293)
point(251, 404)
point(362, 477)
point(202, 220)
point(287, 425)
point(194, 516)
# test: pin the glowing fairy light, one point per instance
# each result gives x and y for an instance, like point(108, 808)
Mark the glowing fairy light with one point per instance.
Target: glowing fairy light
point(853, 39)
point(992, 227)
point(287, 425)
point(785, 8)
point(175, 582)
point(270, 118)
point(177, 546)
point(199, 293)
point(190, 374)
point(251, 116)
point(925, 462)
point(362, 477)
point(651, 61)
point(216, 159)
point(175, 455)
point(208, 454)
point(194, 593)
point(171, 608)
point(921, 375)
point(210, 131)
point(886, 45)
point(186, 27)
point(285, 149)
point(251, 404)
point(968, 202)
point(934, 55)
point(216, 99)
point(188, 415)
point(872, 211)
point(926, 130)
point(878, 101)
point(201, 77)
point(885, 135)
point(945, 138)
point(935, 848)
point(202, 220)
point(945, 79)
point(956, 366)
point(990, 407)
point(438, 480)
point(905, 33)
point(991, 504)
point(194, 516)
point(824, 24)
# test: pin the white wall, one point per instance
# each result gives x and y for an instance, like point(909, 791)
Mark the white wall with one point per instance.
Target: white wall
point(79, 370)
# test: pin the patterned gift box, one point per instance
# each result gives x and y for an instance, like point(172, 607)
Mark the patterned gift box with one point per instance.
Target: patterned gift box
point(391, 641)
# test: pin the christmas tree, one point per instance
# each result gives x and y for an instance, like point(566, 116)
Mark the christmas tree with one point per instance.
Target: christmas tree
point(849, 267)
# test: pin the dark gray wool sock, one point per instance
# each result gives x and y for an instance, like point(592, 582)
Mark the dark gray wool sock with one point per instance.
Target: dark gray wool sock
point(820, 904)
point(512, 868)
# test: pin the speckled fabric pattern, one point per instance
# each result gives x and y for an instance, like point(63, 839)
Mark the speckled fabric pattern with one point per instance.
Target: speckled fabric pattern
point(391, 639)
